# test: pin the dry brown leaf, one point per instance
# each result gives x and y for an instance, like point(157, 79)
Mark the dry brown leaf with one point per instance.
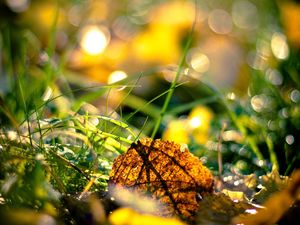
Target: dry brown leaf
point(276, 206)
point(219, 209)
point(167, 171)
point(127, 216)
point(270, 183)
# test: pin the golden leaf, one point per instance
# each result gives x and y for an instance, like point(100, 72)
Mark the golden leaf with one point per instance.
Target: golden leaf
point(127, 216)
point(171, 175)
point(219, 209)
point(275, 206)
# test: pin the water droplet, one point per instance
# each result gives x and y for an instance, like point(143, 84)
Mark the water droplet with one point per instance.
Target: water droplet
point(260, 162)
point(290, 139)
point(284, 113)
point(199, 62)
point(295, 95)
point(244, 15)
point(256, 60)
point(272, 125)
point(46, 220)
point(18, 5)
point(251, 211)
point(94, 39)
point(279, 46)
point(43, 58)
point(203, 159)
point(241, 165)
point(258, 102)
point(124, 28)
point(94, 121)
point(183, 147)
point(220, 21)
point(274, 76)
point(228, 178)
point(231, 96)
point(263, 48)
point(47, 94)
point(195, 122)
point(236, 183)
point(116, 76)
point(74, 16)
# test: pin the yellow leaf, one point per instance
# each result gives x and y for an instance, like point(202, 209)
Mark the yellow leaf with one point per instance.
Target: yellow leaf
point(199, 122)
point(275, 206)
point(166, 172)
point(127, 216)
point(291, 21)
point(234, 195)
point(177, 131)
point(159, 44)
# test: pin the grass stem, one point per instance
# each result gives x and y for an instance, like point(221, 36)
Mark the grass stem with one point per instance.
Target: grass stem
point(175, 80)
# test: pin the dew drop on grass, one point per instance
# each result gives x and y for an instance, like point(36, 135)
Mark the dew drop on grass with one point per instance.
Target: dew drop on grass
point(295, 95)
point(289, 139)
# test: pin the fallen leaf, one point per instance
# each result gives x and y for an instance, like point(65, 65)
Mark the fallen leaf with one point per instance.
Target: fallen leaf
point(127, 216)
point(276, 206)
point(219, 209)
point(165, 171)
point(270, 183)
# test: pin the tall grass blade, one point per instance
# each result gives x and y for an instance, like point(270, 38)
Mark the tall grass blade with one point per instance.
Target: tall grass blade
point(176, 78)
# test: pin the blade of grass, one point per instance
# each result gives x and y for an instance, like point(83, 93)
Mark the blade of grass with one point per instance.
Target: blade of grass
point(176, 78)
point(136, 102)
point(25, 110)
point(273, 156)
point(144, 106)
point(292, 165)
point(39, 129)
point(118, 123)
point(91, 96)
point(129, 92)
point(20, 75)
point(141, 130)
point(72, 165)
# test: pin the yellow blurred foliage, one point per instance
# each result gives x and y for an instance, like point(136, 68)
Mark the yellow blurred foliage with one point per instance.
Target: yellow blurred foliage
point(117, 53)
point(25, 217)
point(49, 209)
point(199, 121)
point(127, 216)
point(96, 7)
point(179, 14)
point(161, 42)
point(291, 21)
point(275, 206)
point(203, 116)
point(197, 125)
point(177, 131)
point(44, 15)
point(234, 195)
point(200, 137)
point(155, 174)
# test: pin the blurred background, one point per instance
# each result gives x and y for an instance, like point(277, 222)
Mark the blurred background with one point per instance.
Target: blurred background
point(238, 89)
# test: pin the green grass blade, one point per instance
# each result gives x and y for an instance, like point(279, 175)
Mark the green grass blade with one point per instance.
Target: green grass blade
point(176, 78)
